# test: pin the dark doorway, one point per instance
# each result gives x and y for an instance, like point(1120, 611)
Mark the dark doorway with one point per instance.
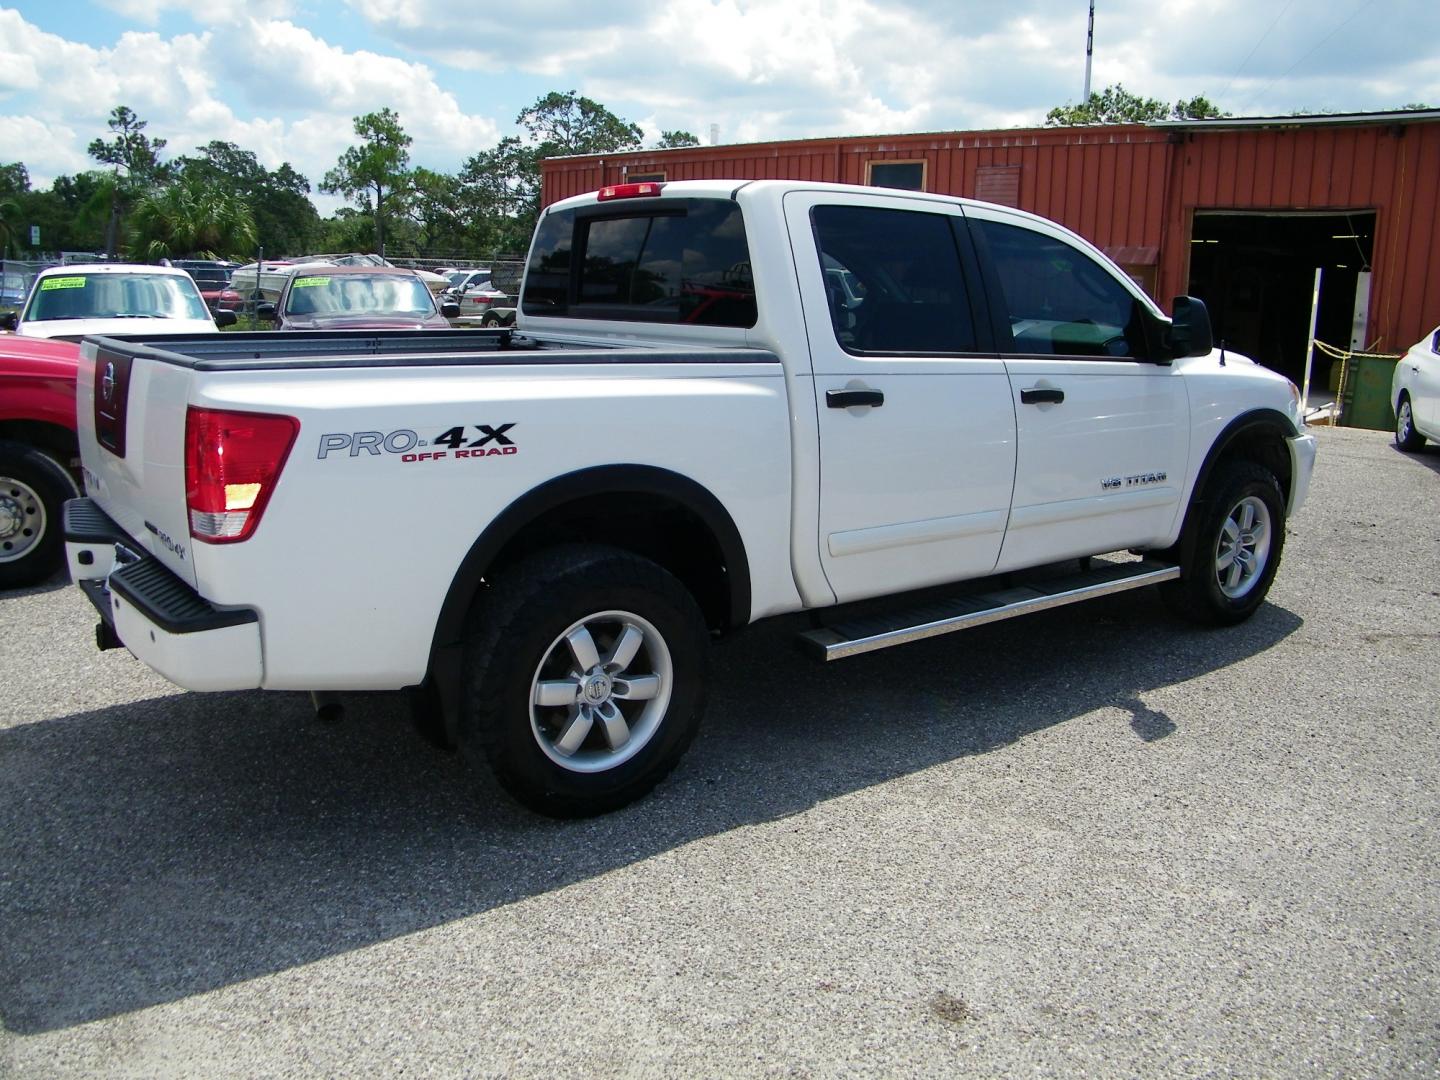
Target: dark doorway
point(1256, 274)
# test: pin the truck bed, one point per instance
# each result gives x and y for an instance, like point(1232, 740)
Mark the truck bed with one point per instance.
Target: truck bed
point(282, 350)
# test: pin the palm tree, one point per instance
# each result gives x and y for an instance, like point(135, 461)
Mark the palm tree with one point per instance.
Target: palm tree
point(191, 217)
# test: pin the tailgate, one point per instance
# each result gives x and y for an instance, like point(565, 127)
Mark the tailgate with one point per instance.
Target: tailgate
point(130, 413)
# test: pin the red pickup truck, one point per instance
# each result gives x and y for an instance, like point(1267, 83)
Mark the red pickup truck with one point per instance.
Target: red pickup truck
point(39, 456)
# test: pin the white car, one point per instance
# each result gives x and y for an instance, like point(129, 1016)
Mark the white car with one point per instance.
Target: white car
point(114, 298)
point(1415, 393)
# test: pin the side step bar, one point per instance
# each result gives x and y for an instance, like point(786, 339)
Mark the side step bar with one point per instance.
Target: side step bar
point(864, 635)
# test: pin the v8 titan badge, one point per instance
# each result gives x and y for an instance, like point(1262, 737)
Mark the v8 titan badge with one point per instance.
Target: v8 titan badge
point(490, 440)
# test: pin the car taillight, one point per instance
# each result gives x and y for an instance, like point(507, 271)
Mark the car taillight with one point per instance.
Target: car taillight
point(232, 462)
point(629, 191)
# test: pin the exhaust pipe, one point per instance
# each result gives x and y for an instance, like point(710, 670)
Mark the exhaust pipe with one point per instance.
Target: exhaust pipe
point(328, 709)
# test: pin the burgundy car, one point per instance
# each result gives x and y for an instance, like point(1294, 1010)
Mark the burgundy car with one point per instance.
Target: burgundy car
point(356, 298)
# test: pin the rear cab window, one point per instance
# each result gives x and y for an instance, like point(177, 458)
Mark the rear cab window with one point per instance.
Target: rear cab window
point(682, 261)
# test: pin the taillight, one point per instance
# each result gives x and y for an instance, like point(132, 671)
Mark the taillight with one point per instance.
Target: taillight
point(232, 462)
point(629, 191)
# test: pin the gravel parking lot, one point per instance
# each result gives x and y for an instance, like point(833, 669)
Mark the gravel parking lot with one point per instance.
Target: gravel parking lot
point(1094, 842)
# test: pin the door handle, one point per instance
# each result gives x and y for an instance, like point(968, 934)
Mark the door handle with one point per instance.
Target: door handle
point(1042, 395)
point(848, 399)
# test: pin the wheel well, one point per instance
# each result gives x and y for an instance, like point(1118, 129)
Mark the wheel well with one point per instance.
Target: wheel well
point(59, 442)
point(653, 526)
point(1265, 446)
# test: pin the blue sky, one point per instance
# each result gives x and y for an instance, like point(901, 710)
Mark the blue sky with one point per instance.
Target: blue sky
point(285, 77)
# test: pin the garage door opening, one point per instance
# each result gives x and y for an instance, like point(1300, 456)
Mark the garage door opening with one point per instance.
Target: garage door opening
point(1256, 274)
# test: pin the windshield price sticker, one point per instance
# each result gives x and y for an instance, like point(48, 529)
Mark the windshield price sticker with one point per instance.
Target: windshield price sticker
point(62, 283)
point(310, 282)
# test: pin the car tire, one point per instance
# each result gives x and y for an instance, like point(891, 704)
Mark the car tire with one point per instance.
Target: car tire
point(491, 320)
point(33, 490)
point(585, 679)
point(1231, 547)
point(1406, 437)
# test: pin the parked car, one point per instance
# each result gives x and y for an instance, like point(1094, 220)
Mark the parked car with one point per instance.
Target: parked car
point(211, 276)
point(256, 281)
point(12, 289)
point(486, 305)
point(461, 280)
point(1415, 391)
point(356, 298)
point(111, 298)
point(39, 456)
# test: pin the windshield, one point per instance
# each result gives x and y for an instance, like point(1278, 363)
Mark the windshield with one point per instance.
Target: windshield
point(213, 276)
point(116, 296)
point(358, 294)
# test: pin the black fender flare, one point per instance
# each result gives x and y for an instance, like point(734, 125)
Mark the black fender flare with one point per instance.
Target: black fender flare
point(1254, 422)
point(447, 643)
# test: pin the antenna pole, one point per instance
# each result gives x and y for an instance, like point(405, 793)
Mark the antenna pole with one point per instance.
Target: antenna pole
point(1089, 52)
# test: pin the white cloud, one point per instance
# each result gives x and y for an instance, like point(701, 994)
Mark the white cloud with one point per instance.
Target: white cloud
point(291, 97)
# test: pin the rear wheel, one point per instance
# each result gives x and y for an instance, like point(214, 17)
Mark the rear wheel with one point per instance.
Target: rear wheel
point(1232, 547)
point(33, 488)
point(585, 679)
point(491, 319)
point(1406, 437)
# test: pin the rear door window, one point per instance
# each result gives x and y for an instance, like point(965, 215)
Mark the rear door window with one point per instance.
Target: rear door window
point(893, 281)
point(672, 261)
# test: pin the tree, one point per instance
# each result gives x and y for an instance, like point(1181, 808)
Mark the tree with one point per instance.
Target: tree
point(562, 124)
point(285, 219)
point(500, 188)
point(14, 183)
point(373, 175)
point(191, 217)
point(14, 179)
point(669, 140)
point(1116, 105)
point(134, 152)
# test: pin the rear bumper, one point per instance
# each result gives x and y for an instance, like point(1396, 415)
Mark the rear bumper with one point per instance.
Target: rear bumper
point(157, 616)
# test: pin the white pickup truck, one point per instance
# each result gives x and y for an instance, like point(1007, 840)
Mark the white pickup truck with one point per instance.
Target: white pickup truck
point(724, 401)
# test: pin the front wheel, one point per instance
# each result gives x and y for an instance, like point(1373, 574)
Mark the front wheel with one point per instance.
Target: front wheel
point(33, 488)
point(1232, 547)
point(585, 681)
point(1406, 437)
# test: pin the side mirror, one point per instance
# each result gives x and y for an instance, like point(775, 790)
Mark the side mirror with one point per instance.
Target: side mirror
point(1190, 328)
point(225, 318)
point(265, 311)
point(450, 309)
point(10, 321)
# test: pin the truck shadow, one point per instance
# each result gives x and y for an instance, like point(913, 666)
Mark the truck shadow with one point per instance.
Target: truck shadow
point(174, 846)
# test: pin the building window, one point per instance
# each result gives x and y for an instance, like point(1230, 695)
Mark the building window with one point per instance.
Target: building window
point(909, 175)
point(644, 177)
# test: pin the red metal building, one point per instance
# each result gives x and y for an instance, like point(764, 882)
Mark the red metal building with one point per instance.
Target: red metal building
point(1240, 212)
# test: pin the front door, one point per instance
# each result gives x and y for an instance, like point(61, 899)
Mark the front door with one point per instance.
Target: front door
point(1103, 431)
point(917, 430)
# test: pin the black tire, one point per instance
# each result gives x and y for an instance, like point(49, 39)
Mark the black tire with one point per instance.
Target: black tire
point(1216, 588)
point(560, 759)
point(1406, 437)
point(33, 488)
point(490, 320)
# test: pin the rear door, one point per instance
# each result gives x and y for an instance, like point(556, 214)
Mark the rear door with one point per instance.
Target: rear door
point(1102, 427)
point(917, 430)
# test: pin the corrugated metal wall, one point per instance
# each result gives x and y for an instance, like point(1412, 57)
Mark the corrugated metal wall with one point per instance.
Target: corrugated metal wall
point(1133, 190)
